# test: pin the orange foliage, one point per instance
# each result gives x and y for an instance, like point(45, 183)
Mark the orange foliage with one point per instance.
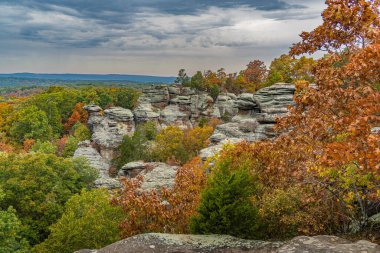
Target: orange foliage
point(61, 144)
point(166, 210)
point(28, 144)
point(6, 148)
point(79, 115)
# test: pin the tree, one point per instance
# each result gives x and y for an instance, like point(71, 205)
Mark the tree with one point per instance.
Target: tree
point(255, 75)
point(169, 145)
point(81, 132)
point(197, 81)
point(70, 146)
point(38, 185)
point(182, 78)
point(79, 115)
point(288, 69)
point(45, 147)
point(89, 221)
point(30, 123)
point(335, 120)
point(225, 206)
point(10, 228)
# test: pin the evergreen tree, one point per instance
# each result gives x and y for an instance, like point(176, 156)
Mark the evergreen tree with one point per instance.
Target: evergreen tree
point(226, 207)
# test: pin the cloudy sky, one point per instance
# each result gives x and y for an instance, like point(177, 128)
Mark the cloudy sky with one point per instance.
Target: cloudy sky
point(154, 37)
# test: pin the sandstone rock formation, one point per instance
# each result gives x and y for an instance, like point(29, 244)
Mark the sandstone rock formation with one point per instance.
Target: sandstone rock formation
point(94, 158)
point(251, 116)
point(255, 118)
point(153, 243)
point(155, 175)
point(108, 130)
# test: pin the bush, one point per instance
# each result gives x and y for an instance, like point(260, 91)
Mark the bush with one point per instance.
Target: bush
point(88, 222)
point(166, 210)
point(226, 207)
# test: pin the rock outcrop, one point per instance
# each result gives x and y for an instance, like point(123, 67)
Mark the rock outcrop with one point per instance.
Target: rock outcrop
point(108, 130)
point(154, 243)
point(86, 150)
point(156, 175)
point(256, 117)
point(249, 116)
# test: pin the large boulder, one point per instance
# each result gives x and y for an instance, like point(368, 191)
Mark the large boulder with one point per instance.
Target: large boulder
point(246, 101)
point(172, 243)
point(155, 175)
point(172, 115)
point(226, 104)
point(275, 98)
point(145, 112)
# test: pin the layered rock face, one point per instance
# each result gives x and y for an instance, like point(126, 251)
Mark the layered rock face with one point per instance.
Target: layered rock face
point(86, 150)
point(248, 116)
point(152, 243)
point(255, 118)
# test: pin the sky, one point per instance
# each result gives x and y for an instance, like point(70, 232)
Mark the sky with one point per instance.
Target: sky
point(153, 37)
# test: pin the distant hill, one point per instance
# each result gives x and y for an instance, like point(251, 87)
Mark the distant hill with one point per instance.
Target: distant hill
point(90, 78)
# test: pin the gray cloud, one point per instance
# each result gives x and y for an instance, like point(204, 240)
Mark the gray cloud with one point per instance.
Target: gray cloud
point(150, 28)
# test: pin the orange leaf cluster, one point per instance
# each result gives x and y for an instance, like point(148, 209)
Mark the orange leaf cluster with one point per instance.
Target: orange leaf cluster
point(166, 210)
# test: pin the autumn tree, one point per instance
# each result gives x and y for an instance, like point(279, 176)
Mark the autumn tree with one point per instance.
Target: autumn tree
point(255, 75)
point(287, 69)
point(166, 211)
point(79, 115)
point(335, 120)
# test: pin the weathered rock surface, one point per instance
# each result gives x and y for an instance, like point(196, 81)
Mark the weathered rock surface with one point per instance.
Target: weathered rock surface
point(94, 158)
point(166, 243)
point(156, 175)
point(325, 243)
point(256, 116)
point(145, 112)
point(108, 130)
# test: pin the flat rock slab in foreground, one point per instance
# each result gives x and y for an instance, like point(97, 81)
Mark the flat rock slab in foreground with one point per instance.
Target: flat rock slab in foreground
point(166, 243)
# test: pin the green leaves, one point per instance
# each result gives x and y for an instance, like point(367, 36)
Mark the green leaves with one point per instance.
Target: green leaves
point(89, 221)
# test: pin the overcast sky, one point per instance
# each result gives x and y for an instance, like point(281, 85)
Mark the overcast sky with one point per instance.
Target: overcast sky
point(155, 37)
